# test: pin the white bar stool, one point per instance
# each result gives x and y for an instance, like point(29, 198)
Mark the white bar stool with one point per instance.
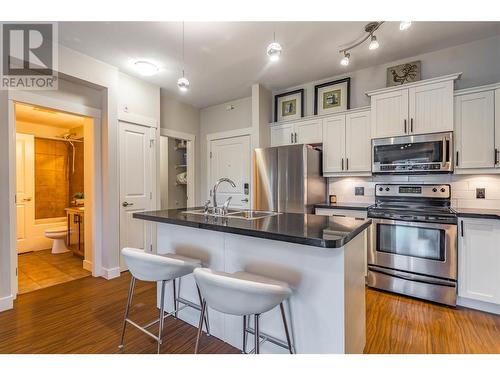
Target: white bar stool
point(151, 267)
point(243, 294)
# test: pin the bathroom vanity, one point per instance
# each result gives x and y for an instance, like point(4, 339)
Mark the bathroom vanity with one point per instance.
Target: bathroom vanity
point(76, 228)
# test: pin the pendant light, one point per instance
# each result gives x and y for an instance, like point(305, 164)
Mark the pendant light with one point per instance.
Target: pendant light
point(183, 82)
point(274, 49)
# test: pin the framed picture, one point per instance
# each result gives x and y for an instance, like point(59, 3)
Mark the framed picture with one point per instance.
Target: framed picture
point(289, 105)
point(332, 96)
point(403, 73)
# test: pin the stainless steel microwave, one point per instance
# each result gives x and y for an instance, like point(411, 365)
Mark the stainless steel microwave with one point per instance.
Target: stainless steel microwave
point(414, 154)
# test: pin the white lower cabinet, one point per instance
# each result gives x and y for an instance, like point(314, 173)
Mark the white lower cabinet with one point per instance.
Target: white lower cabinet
point(479, 263)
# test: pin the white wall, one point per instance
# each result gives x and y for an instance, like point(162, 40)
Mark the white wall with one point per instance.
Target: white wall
point(216, 119)
point(138, 97)
point(479, 61)
point(184, 118)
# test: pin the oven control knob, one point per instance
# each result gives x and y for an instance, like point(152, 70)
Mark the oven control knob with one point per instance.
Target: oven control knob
point(434, 190)
point(386, 189)
point(380, 189)
point(443, 190)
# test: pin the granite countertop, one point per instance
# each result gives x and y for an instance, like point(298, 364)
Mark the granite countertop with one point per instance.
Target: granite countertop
point(305, 229)
point(478, 213)
point(345, 206)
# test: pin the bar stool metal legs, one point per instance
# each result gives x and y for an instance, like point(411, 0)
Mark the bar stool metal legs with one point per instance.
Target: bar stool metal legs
point(245, 334)
point(256, 334)
point(162, 317)
point(200, 326)
point(127, 308)
point(287, 333)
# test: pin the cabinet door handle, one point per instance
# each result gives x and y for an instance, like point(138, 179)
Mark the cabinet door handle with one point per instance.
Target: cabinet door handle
point(405, 126)
point(342, 163)
point(461, 228)
point(291, 137)
point(295, 137)
point(456, 160)
point(411, 125)
point(347, 164)
point(496, 156)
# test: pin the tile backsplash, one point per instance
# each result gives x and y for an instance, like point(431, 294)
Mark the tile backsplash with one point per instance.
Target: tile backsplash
point(463, 188)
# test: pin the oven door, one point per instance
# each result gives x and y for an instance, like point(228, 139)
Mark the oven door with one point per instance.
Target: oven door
point(421, 248)
point(413, 154)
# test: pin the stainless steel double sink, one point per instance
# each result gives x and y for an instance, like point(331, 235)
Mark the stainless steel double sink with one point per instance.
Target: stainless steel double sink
point(234, 214)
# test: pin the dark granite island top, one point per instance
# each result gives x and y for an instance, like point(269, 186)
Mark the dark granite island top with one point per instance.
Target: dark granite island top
point(312, 230)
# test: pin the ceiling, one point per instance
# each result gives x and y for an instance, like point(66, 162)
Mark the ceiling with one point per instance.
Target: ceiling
point(223, 59)
point(42, 116)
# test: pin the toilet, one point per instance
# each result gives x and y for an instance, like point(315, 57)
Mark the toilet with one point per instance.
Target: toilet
point(58, 235)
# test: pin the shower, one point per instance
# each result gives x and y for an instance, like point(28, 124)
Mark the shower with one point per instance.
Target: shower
point(67, 138)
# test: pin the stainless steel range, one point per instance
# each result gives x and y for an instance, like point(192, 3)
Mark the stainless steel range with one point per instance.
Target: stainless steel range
point(414, 242)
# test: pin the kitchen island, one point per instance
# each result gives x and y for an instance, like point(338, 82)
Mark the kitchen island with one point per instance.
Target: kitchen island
point(321, 258)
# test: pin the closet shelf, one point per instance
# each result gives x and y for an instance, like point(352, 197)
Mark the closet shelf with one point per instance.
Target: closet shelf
point(181, 166)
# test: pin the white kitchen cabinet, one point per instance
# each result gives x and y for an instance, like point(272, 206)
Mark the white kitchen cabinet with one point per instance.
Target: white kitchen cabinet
point(415, 108)
point(347, 144)
point(358, 142)
point(431, 108)
point(479, 260)
point(302, 132)
point(475, 133)
point(333, 144)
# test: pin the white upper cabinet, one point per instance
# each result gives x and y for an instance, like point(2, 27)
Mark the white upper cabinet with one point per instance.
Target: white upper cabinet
point(358, 142)
point(416, 108)
point(431, 108)
point(309, 132)
point(475, 130)
point(333, 144)
point(282, 134)
point(302, 132)
point(479, 260)
point(497, 128)
point(347, 144)
point(390, 114)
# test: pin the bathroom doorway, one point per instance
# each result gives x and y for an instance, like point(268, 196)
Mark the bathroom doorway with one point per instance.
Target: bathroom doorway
point(50, 196)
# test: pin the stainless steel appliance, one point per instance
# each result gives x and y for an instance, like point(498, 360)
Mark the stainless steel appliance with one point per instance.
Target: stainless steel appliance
point(287, 179)
point(414, 242)
point(415, 154)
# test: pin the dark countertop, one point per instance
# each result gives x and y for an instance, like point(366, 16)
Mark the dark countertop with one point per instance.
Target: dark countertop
point(345, 206)
point(478, 213)
point(312, 230)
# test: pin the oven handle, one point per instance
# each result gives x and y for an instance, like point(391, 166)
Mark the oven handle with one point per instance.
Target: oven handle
point(445, 151)
point(405, 276)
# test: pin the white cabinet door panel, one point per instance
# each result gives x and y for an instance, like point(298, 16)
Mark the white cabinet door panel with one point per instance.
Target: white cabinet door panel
point(497, 127)
point(390, 114)
point(333, 144)
point(431, 108)
point(474, 130)
point(309, 132)
point(358, 142)
point(282, 134)
point(479, 260)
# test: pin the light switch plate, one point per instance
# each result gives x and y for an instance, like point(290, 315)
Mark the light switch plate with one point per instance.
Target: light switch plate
point(480, 193)
point(359, 190)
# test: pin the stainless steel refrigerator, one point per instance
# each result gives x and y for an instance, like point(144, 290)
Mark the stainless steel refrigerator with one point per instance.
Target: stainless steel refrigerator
point(287, 179)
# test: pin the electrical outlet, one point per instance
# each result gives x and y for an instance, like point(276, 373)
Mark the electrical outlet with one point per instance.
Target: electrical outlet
point(359, 190)
point(480, 193)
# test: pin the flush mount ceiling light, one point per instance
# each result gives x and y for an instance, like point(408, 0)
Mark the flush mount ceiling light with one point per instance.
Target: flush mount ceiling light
point(274, 49)
point(183, 82)
point(404, 25)
point(145, 68)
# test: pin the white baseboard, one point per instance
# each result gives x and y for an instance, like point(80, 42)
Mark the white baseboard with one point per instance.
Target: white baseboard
point(87, 265)
point(6, 303)
point(478, 305)
point(111, 273)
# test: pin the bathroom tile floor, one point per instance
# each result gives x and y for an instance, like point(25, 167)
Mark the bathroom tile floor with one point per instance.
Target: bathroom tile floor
point(41, 269)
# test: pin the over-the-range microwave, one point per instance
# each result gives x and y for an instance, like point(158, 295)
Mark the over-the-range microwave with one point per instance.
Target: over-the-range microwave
point(414, 154)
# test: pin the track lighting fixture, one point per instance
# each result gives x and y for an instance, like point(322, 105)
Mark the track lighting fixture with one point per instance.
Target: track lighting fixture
point(373, 43)
point(345, 59)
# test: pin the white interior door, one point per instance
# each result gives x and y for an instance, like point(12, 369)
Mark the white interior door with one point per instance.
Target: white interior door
point(25, 191)
point(230, 157)
point(136, 184)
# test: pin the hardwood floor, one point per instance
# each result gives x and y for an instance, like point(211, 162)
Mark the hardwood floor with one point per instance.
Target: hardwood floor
point(41, 269)
point(85, 316)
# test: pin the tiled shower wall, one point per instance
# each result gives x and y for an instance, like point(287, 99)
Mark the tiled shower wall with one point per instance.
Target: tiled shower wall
point(463, 188)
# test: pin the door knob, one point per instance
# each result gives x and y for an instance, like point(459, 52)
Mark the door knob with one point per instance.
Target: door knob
point(27, 199)
point(245, 200)
point(126, 204)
